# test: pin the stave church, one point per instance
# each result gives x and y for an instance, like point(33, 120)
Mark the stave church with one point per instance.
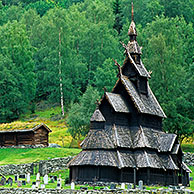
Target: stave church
point(126, 142)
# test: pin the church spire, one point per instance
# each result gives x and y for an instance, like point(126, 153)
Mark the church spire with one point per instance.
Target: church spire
point(132, 12)
point(132, 29)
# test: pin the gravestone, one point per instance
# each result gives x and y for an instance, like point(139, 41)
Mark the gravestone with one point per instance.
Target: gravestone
point(28, 178)
point(42, 186)
point(52, 180)
point(122, 185)
point(16, 178)
point(129, 186)
point(38, 177)
point(55, 178)
point(23, 182)
point(140, 184)
point(19, 184)
point(37, 184)
point(3, 181)
point(32, 169)
point(10, 181)
point(112, 186)
point(190, 178)
point(22, 176)
point(59, 182)
point(73, 186)
point(45, 178)
point(33, 186)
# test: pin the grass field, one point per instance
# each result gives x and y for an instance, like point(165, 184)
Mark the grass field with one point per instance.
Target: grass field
point(188, 147)
point(20, 156)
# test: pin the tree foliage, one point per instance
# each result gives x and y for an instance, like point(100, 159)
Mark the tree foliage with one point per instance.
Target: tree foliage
point(90, 34)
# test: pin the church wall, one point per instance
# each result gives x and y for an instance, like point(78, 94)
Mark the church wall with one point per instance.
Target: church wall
point(133, 116)
point(151, 121)
point(129, 70)
point(94, 173)
point(107, 112)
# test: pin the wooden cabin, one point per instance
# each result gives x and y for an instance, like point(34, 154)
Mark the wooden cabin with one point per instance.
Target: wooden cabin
point(126, 142)
point(28, 134)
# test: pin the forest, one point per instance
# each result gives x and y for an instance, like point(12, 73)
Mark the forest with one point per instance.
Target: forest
point(61, 51)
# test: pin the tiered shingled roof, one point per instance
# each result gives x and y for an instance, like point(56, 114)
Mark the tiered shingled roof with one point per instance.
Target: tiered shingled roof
point(144, 103)
point(118, 136)
point(124, 159)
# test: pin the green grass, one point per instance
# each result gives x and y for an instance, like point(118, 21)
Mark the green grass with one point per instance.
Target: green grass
point(20, 156)
point(187, 147)
point(192, 175)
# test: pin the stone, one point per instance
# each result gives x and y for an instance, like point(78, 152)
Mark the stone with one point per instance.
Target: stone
point(52, 180)
point(140, 184)
point(10, 181)
point(190, 178)
point(59, 182)
point(19, 183)
point(3, 181)
point(33, 186)
point(38, 177)
point(45, 179)
point(129, 186)
point(55, 178)
point(42, 186)
point(37, 184)
point(122, 185)
point(112, 186)
point(23, 182)
point(73, 186)
point(28, 178)
point(22, 176)
point(16, 178)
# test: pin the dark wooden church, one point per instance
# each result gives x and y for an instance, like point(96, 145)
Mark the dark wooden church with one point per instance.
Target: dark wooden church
point(126, 142)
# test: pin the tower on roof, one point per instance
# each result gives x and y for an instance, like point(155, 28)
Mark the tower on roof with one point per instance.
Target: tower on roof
point(126, 142)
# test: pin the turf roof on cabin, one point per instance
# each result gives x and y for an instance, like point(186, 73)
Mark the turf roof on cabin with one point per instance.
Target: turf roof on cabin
point(21, 126)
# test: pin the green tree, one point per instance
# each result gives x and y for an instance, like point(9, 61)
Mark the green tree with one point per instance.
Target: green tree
point(80, 113)
point(105, 76)
point(17, 76)
point(118, 16)
point(166, 55)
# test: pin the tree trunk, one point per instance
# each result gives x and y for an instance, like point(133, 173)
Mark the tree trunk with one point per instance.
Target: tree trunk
point(60, 76)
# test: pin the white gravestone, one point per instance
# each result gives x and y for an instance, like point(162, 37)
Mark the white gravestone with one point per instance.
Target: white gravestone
point(45, 178)
point(73, 186)
point(38, 177)
point(42, 186)
point(122, 185)
point(141, 185)
point(37, 184)
point(28, 178)
point(33, 186)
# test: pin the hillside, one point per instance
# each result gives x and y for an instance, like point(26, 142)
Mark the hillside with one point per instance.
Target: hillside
point(52, 118)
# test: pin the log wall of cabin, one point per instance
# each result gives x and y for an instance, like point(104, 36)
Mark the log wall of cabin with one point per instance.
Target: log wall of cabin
point(24, 138)
point(41, 136)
